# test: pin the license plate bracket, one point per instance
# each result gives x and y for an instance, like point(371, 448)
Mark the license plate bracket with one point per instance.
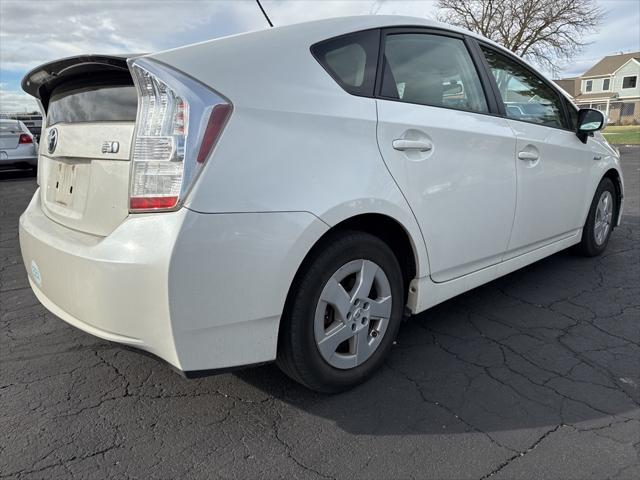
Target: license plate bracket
point(65, 179)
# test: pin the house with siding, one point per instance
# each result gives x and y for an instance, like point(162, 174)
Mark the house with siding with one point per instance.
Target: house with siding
point(612, 86)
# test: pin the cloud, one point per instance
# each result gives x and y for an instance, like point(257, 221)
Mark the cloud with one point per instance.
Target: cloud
point(16, 101)
point(35, 32)
point(287, 12)
point(32, 33)
point(618, 33)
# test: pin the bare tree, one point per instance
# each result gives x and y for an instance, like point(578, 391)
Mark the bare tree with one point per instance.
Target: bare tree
point(546, 32)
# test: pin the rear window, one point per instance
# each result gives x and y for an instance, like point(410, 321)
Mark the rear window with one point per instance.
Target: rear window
point(116, 103)
point(351, 60)
point(9, 127)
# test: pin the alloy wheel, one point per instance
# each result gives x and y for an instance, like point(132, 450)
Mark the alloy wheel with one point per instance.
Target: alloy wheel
point(352, 314)
point(604, 216)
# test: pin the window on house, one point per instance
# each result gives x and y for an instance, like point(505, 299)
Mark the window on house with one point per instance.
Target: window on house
point(629, 82)
point(589, 85)
point(627, 109)
point(605, 84)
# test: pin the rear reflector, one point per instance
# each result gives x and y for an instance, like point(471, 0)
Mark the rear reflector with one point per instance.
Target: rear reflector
point(217, 119)
point(24, 138)
point(152, 203)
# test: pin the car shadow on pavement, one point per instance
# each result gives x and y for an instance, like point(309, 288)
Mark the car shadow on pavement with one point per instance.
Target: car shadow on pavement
point(555, 343)
point(16, 174)
point(552, 349)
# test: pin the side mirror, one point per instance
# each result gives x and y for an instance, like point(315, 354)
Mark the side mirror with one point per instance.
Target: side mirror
point(589, 121)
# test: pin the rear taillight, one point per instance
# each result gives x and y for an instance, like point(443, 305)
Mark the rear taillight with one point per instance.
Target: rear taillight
point(178, 124)
point(25, 138)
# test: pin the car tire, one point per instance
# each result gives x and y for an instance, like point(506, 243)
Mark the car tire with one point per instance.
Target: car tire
point(322, 309)
point(600, 221)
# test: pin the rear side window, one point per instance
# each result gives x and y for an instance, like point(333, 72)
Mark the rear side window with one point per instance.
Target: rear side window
point(351, 60)
point(431, 70)
point(115, 103)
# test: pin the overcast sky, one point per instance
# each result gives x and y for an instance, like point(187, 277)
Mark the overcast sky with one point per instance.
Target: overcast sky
point(33, 32)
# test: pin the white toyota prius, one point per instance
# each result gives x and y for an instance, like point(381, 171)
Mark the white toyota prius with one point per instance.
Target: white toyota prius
point(291, 194)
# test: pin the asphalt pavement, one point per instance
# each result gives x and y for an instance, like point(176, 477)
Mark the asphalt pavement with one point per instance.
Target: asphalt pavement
point(533, 376)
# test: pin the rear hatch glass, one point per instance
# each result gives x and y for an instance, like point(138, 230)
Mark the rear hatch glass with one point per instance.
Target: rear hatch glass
point(84, 151)
point(96, 103)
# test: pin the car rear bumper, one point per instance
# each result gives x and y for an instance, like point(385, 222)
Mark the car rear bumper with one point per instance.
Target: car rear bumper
point(13, 161)
point(22, 154)
point(201, 291)
point(113, 287)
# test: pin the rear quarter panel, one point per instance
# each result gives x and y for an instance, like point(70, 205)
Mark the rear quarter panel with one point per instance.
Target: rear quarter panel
point(295, 141)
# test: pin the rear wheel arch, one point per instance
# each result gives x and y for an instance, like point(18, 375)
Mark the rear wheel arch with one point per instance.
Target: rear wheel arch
point(614, 176)
point(391, 232)
point(386, 228)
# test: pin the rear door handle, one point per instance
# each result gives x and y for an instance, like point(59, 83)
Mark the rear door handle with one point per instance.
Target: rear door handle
point(402, 145)
point(528, 156)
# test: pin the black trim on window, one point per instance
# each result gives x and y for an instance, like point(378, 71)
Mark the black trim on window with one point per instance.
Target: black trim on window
point(491, 88)
point(374, 47)
point(565, 114)
point(369, 40)
point(570, 107)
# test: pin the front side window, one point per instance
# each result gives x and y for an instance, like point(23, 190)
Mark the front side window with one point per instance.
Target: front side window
point(431, 70)
point(605, 84)
point(589, 85)
point(351, 60)
point(629, 82)
point(525, 96)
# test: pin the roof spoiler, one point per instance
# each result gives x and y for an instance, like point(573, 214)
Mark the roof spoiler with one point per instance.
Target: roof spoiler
point(41, 81)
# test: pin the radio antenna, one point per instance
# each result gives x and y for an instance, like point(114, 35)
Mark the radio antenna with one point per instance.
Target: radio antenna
point(264, 13)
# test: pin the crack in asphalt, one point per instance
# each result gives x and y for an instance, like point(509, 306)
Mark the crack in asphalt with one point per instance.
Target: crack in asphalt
point(445, 408)
point(522, 453)
point(548, 351)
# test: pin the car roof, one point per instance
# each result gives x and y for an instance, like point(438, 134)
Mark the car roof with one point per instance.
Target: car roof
point(281, 37)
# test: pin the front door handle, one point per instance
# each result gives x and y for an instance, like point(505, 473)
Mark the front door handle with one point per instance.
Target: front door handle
point(531, 156)
point(402, 145)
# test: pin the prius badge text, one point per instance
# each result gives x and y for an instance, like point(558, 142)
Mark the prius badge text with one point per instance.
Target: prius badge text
point(110, 147)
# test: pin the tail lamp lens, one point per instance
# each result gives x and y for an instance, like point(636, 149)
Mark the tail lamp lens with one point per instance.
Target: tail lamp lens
point(24, 138)
point(179, 122)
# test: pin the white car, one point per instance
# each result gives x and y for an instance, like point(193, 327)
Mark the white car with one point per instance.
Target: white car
point(18, 148)
point(290, 194)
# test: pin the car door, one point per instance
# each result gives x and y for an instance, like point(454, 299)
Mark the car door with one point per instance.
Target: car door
point(452, 157)
point(553, 165)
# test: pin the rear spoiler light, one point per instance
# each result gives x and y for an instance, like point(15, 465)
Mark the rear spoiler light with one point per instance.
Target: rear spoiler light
point(178, 124)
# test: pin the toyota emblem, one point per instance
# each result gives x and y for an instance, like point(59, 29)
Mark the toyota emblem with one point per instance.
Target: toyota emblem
point(52, 140)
